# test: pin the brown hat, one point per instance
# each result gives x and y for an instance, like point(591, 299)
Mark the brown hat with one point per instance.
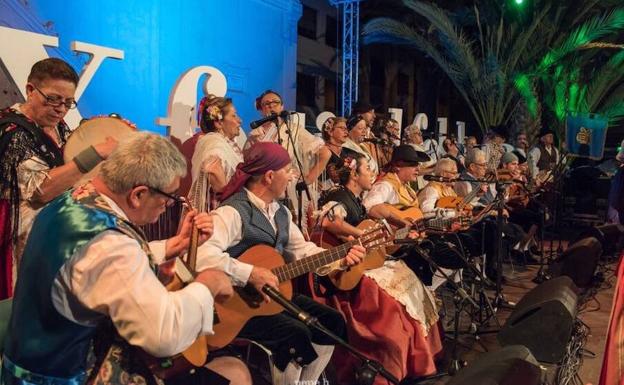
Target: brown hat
point(408, 155)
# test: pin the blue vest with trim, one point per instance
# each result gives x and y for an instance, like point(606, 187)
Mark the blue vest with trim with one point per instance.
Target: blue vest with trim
point(256, 227)
point(41, 340)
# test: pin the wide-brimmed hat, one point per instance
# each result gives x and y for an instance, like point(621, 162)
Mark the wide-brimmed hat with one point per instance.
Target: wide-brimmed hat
point(407, 155)
point(545, 131)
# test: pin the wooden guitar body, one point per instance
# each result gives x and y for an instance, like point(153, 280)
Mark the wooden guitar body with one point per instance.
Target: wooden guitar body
point(375, 258)
point(246, 302)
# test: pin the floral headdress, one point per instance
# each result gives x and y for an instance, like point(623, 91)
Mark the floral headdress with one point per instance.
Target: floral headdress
point(350, 162)
point(212, 112)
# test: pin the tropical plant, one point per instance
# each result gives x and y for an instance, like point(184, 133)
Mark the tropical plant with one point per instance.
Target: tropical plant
point(580, 75)
point(494, 57)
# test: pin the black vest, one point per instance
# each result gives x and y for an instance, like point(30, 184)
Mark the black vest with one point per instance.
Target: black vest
point(547, 161)
point(256, 227)
point(356, 212)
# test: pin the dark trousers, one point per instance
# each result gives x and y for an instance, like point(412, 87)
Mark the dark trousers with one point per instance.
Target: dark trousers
point(290, 339)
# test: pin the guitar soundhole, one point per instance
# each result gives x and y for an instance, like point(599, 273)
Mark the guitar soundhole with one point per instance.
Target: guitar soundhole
point(250, 295)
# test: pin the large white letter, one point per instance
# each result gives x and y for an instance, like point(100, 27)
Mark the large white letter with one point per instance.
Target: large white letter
point(181, 117)
point(98, 54)
point(20, 50)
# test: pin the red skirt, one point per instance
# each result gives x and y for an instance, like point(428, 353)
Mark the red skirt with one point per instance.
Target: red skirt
point(380, 327)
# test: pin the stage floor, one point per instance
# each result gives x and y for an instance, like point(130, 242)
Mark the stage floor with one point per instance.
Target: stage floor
point(595, 313)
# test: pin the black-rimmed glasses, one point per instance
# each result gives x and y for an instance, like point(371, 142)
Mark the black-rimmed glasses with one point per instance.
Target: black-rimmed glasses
point(172, 199)
point(57, 101)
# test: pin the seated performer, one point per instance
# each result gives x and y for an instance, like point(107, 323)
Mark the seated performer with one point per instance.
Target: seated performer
point(429, 196)
point(523, 211)
point(402, 337)
point(476, 166)
point(250, 215)
point(87, 267)
point(217, 152)
point(392, 193)
point(32, 171)
point(393, 188)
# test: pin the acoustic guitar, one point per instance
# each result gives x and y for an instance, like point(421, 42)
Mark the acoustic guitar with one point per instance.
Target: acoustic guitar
point(376, 257)
point(247, 302)
point(175, 274)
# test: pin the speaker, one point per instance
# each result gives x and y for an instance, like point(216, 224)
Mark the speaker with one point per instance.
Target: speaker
point(512, 365)
point(543, 320)
point(610, 236)
point(579, 262)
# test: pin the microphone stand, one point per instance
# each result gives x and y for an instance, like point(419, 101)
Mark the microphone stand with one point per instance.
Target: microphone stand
point(301, 185)
point(499, 299)
point(370, 367)
point(460, 296)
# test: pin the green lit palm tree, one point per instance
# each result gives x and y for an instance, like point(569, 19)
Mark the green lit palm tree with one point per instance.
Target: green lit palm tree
point(489, 59)
point(478, 66)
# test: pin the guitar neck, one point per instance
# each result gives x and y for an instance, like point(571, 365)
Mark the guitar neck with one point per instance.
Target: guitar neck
point(199, 198)
point(306, 265)
point(468, 198)
point(424, 225)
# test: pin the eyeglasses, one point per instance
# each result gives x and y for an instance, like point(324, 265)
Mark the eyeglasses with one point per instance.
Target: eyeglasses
point(480, 164)
point(171, 198)
point(57, 101)
point(271, 103)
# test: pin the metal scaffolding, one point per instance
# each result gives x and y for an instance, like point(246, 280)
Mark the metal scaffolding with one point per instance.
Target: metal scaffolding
point(350, 51)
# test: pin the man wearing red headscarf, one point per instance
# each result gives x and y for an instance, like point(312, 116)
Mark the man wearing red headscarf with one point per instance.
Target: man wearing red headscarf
point(251, 215)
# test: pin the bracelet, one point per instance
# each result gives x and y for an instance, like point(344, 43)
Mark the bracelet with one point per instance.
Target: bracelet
point(87, 159)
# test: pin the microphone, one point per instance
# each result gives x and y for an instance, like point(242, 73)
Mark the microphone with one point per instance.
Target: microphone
point(376, 141)
point(273, 116)
point(436, 178)
point(278, 297)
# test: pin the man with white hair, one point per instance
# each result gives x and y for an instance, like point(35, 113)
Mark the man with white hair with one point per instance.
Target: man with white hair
point(87, 266)
point(476, 167)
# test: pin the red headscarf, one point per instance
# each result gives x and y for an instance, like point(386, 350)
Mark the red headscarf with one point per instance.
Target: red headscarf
point(259, 158)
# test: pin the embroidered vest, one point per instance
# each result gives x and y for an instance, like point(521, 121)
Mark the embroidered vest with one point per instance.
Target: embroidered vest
point(407, 196)
point(42, 339)
point(256, 226)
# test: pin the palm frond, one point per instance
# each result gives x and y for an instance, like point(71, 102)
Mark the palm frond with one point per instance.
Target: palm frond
point(603, 79)
point(457, 46)
point(591, 30)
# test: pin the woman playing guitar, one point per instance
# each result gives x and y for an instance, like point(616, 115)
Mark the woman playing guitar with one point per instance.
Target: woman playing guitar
point(405, 336)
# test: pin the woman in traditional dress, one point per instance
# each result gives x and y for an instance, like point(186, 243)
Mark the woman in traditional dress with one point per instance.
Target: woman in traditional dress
point(217, 152)
point(391, 316)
